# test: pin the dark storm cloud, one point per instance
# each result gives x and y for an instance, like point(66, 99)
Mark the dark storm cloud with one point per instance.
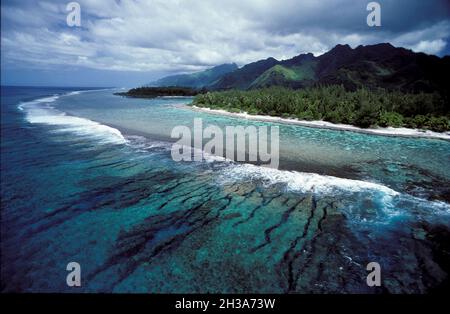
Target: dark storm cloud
point(350, 16)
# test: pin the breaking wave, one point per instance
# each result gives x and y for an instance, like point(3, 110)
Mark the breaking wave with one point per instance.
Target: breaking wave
point(41, 111)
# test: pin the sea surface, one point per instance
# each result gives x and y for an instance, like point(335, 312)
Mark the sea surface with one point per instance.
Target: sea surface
point(87, 177)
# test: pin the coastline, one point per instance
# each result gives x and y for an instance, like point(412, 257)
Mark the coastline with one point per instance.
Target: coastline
point(389, 131)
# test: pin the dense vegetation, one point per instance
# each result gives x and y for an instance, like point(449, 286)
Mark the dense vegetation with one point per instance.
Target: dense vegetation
point(150, 92)
point(371, 67)
point(362, 107)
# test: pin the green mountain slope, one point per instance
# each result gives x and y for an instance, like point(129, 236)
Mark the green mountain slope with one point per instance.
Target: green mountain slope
point(372, 66)
point(383, 66)
point(243, 77)
point(296, 76)
point(198, 79)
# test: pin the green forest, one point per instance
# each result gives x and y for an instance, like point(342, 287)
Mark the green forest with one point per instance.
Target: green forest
point(362, 107)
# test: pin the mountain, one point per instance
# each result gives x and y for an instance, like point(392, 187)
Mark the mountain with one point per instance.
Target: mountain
point(372, 66)
point(295, 73)
point(198, 79)
point(385, 66)
point(243, 77)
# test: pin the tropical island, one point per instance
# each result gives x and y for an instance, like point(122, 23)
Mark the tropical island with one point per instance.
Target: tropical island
point(368, 86)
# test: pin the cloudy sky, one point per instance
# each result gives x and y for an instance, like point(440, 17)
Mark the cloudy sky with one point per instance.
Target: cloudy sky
point(132, 42)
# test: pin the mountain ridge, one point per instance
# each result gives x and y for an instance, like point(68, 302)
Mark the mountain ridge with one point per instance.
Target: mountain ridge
point(197, 79)
point(372, 66)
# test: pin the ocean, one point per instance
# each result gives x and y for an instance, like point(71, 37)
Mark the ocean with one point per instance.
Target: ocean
point(87, 177)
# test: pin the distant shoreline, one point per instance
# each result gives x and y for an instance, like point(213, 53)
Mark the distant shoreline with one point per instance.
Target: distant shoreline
point(153, 92)
point(389, 131)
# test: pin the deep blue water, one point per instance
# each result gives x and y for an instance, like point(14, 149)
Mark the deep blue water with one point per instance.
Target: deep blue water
point(88, 177)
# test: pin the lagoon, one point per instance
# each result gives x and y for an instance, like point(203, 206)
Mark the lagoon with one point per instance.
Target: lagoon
point(88, 177)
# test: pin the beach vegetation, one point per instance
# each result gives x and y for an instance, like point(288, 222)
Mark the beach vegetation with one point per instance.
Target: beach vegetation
point(362, 107)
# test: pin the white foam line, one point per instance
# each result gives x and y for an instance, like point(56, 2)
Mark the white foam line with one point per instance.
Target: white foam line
point(88, 91)
point(304, 181)
point(389, 131)
point(23, 105)
point(141, 143)
point(323, 184)
point(40, 111)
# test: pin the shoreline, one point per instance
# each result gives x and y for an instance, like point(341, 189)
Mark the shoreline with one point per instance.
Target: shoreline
point(388, 131)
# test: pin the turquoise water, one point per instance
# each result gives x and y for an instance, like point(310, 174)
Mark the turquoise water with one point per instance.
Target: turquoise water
point(88, 177)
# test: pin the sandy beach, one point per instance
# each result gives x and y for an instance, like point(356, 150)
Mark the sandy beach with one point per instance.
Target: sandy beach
point(389, 131)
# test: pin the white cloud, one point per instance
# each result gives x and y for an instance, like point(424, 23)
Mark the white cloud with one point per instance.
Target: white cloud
point(429, 40)
point(430, 46)
point(191, 35)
